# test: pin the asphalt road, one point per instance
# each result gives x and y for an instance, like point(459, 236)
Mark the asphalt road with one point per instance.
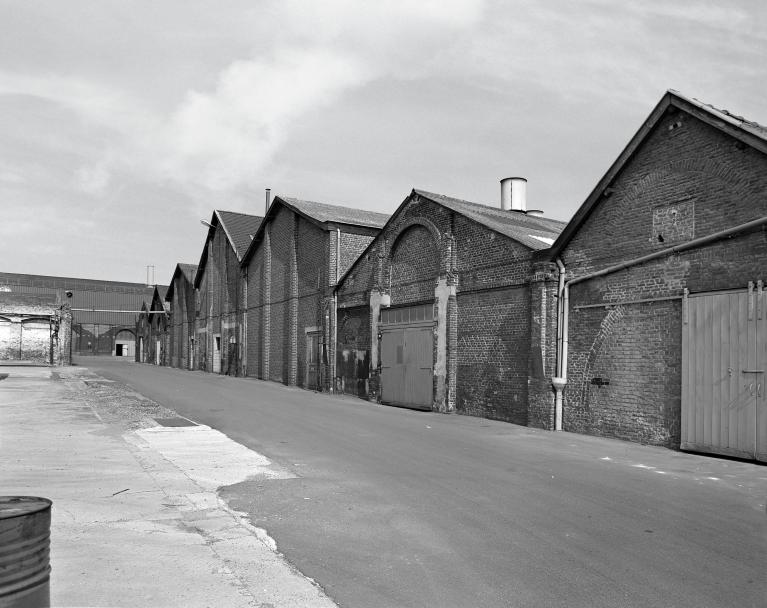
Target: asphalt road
point(392, 507)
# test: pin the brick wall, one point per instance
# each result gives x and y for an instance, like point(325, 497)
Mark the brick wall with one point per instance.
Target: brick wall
point(682, 183)
point(255, 314)
point(312, 247)
point(486, 327)
point(353, 244)
point(415, 264)
point(493, 347)
point(281, 231)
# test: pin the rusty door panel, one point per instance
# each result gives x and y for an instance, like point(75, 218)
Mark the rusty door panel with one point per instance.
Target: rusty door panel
point(723, 368)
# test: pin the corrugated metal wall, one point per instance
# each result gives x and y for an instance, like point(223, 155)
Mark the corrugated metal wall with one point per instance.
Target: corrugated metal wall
point(92, 332)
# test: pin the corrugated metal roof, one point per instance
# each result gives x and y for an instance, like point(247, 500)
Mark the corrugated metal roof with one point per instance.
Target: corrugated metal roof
point(334, 213)
point(533, 231)
point(239, 228)
point(93, 299)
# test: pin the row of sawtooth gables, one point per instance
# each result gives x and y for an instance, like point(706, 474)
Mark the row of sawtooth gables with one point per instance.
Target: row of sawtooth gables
point(152, 337)
point(455, 306)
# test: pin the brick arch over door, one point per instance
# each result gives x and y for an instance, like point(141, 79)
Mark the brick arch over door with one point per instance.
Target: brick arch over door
point(415, 264)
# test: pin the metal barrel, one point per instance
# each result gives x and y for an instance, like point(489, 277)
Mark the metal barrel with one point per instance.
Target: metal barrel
point(25, 535)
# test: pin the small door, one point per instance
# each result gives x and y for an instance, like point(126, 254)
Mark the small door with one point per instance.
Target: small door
point(313, 361)
point(407, 366)
point(216, 354)
point(724, 364)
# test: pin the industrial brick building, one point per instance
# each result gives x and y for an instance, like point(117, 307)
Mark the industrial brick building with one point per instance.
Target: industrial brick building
point(664, 315)
point(181, 300)
point(436, 313)
point(218, 282)
point(291, 267)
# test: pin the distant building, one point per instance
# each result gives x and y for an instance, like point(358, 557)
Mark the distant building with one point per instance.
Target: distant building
point(104, 313)
point(181, 298)
point(152, 339)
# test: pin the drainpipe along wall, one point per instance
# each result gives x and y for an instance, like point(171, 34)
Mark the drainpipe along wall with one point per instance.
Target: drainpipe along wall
point(563, 305)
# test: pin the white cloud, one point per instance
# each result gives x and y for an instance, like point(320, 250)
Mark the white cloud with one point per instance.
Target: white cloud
point(223, 138)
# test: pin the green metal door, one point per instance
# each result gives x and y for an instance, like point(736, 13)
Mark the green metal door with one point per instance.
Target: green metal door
point(724, 360)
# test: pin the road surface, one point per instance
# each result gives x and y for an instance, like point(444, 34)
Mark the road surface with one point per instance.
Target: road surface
point(392, 507)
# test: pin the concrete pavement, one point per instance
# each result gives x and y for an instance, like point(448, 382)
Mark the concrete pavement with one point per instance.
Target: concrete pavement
point(136, 517)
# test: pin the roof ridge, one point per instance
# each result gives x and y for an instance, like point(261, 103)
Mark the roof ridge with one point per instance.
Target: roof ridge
point(496, 211)
point(289, 199)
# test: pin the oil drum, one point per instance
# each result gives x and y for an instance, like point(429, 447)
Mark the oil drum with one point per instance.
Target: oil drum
point(25, 533)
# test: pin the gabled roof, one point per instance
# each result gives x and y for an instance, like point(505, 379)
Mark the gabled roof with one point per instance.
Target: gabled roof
point(750, 133)
point(188, 271)
point(532, 231)
point(320, 214)
point(238, 228)
point(324, 213)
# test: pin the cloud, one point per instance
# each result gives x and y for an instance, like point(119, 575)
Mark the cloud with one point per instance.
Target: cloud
point(225, 138)
point(221, 139)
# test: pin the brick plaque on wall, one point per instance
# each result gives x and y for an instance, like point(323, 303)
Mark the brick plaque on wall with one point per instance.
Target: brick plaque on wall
point(673, 222)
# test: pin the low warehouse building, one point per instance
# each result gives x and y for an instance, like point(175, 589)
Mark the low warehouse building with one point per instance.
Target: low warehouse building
point(181, 316)
point(219, 284)
point(663, 309)
point(437, 312)
point(295, 260)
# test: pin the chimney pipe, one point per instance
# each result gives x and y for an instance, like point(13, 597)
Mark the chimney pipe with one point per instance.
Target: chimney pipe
point(514, 194)
point(268, 200)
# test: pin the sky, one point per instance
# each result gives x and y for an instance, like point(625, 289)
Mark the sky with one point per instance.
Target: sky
point(123, 123)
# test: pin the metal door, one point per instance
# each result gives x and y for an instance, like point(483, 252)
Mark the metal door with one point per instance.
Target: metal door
point(407, 366)
point(312, 360)
point(724, 358)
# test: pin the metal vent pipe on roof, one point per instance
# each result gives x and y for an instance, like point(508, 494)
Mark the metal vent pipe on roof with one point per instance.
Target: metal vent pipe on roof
point(514, 194)
point(268, 200)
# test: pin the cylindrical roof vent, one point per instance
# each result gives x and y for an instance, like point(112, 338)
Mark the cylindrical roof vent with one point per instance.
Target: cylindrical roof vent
point(514, 194)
